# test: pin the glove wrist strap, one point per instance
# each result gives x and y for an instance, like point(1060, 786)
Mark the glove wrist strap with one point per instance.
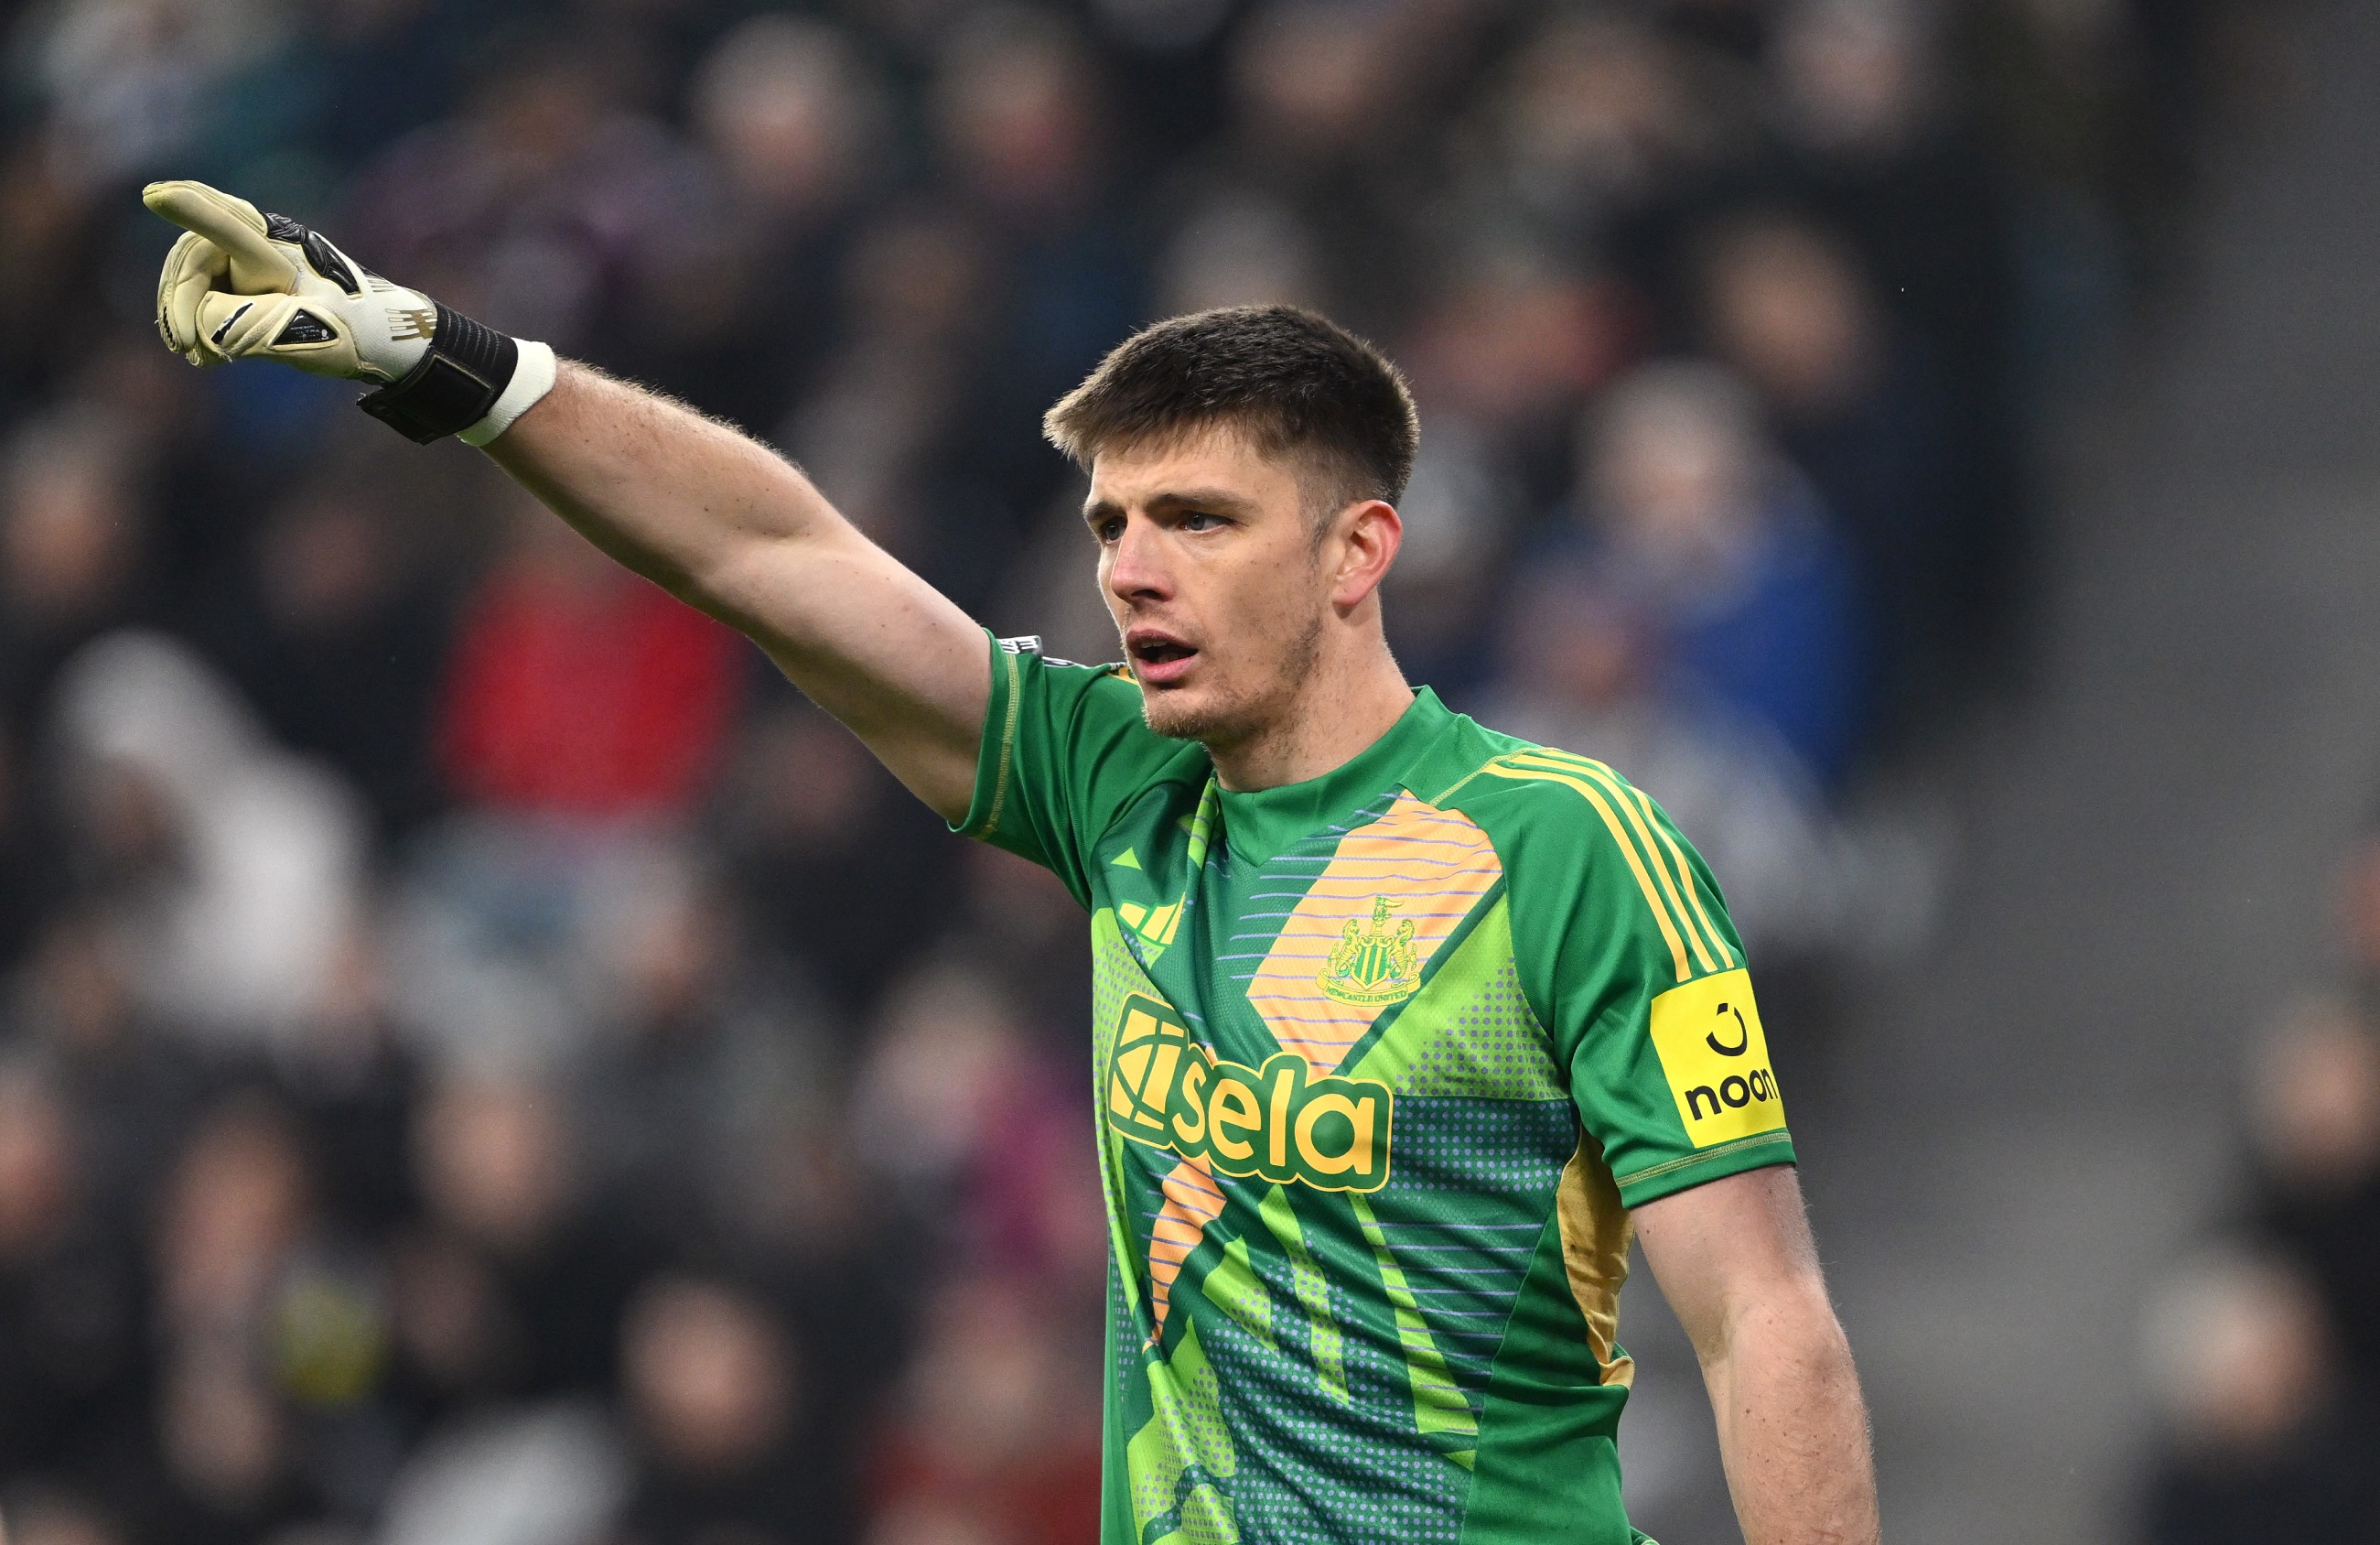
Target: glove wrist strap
point(466, 369)
point(533, 378)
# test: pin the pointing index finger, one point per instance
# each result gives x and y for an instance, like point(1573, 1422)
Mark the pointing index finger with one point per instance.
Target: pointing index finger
point(257, 266)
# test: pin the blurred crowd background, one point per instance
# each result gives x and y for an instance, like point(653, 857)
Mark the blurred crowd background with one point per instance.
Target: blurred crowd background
point(2263, 1347)
point(482, 1060)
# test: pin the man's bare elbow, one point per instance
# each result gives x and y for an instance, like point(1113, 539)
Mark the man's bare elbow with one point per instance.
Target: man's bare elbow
point(1788, 1317)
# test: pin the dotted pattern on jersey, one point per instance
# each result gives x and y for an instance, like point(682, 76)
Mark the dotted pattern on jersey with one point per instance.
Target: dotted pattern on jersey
point(1492, 1048)
point(1326, 1342)
point(1463, 1216)
point(1311, 1470)
point(1482, 1147)
point(1183, 1449)
point(1139, 1179)
point(1125, 1359)
point(1206, 1519)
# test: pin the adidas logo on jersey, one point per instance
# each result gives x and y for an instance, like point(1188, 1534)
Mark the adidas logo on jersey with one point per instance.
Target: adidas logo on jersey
point(1278, 1122)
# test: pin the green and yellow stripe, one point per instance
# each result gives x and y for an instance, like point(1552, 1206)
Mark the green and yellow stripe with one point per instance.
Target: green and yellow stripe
point(1654, 854)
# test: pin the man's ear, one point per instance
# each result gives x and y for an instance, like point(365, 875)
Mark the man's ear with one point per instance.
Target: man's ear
point(1368, 534)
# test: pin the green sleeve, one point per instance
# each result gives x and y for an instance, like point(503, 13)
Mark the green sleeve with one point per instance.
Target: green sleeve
point(1065, 751)
point(1626, 952)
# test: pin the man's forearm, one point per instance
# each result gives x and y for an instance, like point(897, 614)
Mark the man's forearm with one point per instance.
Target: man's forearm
point(1792, 1429)
point(675, 496)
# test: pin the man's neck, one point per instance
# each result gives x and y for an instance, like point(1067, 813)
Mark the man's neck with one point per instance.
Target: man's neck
point(1342, 710)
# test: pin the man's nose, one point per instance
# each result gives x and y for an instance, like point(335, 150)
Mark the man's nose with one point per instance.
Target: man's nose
point(1137, 567)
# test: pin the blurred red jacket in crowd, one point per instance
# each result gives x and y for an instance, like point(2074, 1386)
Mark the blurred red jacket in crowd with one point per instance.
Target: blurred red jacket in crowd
point(584, 692)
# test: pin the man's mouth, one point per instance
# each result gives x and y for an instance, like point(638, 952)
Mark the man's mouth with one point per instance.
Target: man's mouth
point(1157, 659)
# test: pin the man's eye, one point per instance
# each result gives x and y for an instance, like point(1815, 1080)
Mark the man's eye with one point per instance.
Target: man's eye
point(1200, 520)
point(1108, 530)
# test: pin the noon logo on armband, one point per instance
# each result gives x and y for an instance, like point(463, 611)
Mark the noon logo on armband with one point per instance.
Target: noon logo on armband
point(1707, 1033)
point(1278, 1122)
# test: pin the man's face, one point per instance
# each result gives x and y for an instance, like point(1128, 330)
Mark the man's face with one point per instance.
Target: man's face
point(1209, 564)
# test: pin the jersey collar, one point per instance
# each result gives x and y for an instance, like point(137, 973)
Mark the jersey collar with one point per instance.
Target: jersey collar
point(1264, 823)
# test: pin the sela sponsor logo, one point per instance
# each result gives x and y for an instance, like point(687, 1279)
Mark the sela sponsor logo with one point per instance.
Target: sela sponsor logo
point(1278, 1122)
point(1707, 1033)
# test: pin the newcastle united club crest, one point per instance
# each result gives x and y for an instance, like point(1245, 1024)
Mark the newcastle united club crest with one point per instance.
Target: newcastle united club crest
point(1376, 966)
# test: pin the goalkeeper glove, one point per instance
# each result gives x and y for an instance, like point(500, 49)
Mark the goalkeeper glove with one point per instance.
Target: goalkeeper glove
point(241, 285)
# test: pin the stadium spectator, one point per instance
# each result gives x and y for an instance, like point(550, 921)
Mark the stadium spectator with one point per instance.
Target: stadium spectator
point(1016, 109)
point(541, 199)
point(883, 429)
point(988, 1427)
point(2258, 1435)
point(130, 1081)
point(131, 80)
point(2316, 1120)
point(71, 538)
point(1880, 148)
point(580, 693)
point(833, 865)
point(353, 1080)
point(336, 628)
point(1508, 345)
point(1018, 925)
point(72, 1322)
point(234, 871)
point(1685, 510)
point(1862, 415)
point(30, 853)
point(220, 1457)
point(516, 1283)
point(46, 1515)
point(717, 1396)
point(740, 306)
point(709, 1063)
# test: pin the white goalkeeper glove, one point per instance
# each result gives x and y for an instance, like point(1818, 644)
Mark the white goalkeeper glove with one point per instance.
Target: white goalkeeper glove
point(242, 284)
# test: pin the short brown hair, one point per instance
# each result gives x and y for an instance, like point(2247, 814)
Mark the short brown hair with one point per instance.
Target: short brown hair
point(1296, 382)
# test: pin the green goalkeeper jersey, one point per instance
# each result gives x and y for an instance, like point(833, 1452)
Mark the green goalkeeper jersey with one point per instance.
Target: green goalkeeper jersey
point(1381, 1062)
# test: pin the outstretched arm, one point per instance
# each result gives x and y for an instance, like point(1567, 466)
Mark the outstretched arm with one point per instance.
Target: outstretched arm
point(1737, 1263)
point(730, 527)
point(712, 516)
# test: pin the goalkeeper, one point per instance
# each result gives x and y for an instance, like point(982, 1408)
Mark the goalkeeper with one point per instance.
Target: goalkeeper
point(1402, 1030)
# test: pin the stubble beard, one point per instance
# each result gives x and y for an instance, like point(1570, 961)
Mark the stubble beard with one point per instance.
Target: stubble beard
point(1234, 718)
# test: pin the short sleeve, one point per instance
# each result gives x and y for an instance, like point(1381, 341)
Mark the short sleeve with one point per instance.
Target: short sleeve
point(1065, 751)
point(1626, 949)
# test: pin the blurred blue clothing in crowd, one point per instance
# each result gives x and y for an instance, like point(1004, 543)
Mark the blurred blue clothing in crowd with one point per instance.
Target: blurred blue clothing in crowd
point(1858, 407)
point(1686, 512)
point(1784, 646)
point(1778, 641)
